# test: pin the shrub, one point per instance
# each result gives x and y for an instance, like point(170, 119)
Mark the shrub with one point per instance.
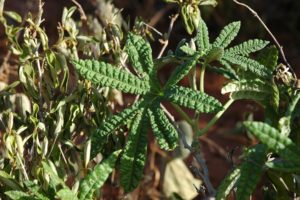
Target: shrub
point(59, 117)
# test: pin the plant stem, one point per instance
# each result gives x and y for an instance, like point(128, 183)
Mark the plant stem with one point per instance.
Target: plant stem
point(292, 105)
point(81, 11)
point(201, 88)
point(202, 76)
point(23, 167)
point(215, 118)
point(165, 42)
point(193, 78)
point(183, 114)
point(154, 29)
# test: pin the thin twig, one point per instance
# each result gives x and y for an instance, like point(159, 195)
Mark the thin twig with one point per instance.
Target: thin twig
point(183, 114)
point(40, 12)
point(62, 153)
point(81, 11)
point(154, 29)
point(196, 154)
point(23, 167)
point(280, 48)
point(215, 118)
point(165, 42)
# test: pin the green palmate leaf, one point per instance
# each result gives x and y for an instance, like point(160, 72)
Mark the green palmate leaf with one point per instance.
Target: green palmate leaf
point(227, 184)
point(202, 38)
point(227, 73)
point(268, 57)
point(227, 35)
point(275, 98)
point(215, 53)
point(251, 171)
point(283, 166)
point(100, 136)
point(248, 64)
point(229, 70)
point(107, 75)
point(139, 53)
point(243, 74)
point(19, 195)
point(165, 133)
point(293, 105)
point(134, 156)
point(249, 89)
point(190, 98)
point(186, 50)
point(96, 178)
point(182, 70)
point(181, 48)
point(276, 141)
point(247, 47)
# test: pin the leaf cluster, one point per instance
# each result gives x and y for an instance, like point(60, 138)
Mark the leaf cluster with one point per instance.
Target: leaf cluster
point(60, 122)
point(147, 110)
point(277, 154)
point(47, 114)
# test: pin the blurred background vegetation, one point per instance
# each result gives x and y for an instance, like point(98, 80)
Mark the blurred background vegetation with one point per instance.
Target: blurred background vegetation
point(282, 17)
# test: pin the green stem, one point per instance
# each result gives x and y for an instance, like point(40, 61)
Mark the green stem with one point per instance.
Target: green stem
point(202, 75)
point(201, 88)
point(193, 78)
point(293, 104)
point(215, 118)
point(183, 114)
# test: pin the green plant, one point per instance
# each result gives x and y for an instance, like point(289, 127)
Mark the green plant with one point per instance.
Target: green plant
point(55, 132)
point(47, 112)
point(151, 94)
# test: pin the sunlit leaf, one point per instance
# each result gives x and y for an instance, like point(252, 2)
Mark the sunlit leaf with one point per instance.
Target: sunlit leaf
point(193, 99)
point(228, 184)
point(134, 156)
point(96, 178)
